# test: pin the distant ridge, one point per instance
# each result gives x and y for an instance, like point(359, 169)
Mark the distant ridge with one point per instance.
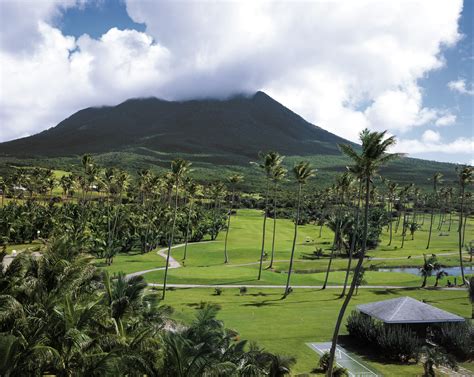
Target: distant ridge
point(240, 126)
point(218, 136)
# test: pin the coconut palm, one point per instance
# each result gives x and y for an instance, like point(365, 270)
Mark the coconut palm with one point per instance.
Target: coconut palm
point(342, 187)
point(465, 177)
point(429, 265)
point(436, 179)
point(392, 192)
point(278, 174)
point(355, 236)
point(67, 183)
point(373, 155)
point(440, 274)
point(233, 181)
point(193, 191)
point(301, 172)
point(179, 168)
point(269, 162)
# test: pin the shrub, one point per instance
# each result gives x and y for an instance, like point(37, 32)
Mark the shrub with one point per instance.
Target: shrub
point(324, 361)
point(218, 291)
point(243, 290)
point(398, 342)
point(458, 338)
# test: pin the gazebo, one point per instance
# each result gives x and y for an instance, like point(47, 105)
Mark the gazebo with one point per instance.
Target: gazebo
point(408, 311)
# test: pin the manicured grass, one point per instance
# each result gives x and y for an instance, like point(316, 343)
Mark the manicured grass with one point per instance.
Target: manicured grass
point(285, 326)
point(133, 262)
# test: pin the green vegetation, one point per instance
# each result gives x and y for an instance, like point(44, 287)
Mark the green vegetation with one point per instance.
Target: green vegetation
point(282, 283)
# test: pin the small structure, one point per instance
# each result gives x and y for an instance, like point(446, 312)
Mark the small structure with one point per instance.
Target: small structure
point(407, 310)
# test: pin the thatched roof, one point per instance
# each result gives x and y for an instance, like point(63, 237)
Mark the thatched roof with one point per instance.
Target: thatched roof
point(407, 310)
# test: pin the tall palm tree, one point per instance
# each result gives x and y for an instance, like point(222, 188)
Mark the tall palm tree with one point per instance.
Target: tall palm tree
point(355, 236)
point(66, 182)
point(392, 192)
point(193, 190)
point(465, 176)
point(343, 185)
point(301, 172)
point(373, 155)
point(436, 179)
point(278, 175)
point(179, 168)
point(233, 181)
point(269, 162)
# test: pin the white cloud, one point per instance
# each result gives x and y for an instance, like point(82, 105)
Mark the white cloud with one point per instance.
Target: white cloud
point(460, 87)
point(430, 136)
point(343, 65)
point(446, 120)
point(432, 143)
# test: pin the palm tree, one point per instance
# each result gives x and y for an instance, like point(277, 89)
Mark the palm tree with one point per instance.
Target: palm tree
point(343, 185)
point(179, 168)
point(372, 157)
point(440, 274)
point(355, 236)
point(233, 180)
point(193, 190)
point(269, 162)
point(277, 176)
point(66, 182)
point(392, 192)
point(436, 179)
point(465, 175)
point(301, 172)
point(427, 269)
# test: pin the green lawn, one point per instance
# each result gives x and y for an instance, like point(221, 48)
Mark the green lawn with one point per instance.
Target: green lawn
point(284, 326)
point(307, 315)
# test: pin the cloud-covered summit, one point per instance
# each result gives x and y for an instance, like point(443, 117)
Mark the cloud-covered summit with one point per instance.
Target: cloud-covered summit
point(343, 65)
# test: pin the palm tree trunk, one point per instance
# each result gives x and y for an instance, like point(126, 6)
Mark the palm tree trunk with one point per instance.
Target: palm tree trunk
point(391, 222)
point(354, 278)
point(187, 230)
point(431, 228)
point(226, 259)
point(404, 230)
point(461, 214)
point(331, 256)
point(274, 228)
point(353, 241)
point(464, 228)
point(170, 244)
point(263, 234)
point(294, 243)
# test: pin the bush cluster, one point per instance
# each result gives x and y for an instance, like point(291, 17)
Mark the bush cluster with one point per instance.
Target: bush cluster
point(397, 342)
point(458, 338)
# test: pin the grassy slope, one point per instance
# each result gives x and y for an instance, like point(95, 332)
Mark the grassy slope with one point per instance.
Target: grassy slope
point(305, 316)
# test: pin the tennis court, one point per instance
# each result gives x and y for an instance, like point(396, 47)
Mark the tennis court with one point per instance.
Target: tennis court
point(343, 358)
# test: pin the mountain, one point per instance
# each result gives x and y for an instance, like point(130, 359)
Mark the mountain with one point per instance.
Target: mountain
point(240, 127)
point(218, 136)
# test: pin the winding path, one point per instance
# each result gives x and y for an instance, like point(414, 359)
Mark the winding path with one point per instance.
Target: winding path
point(173, 263)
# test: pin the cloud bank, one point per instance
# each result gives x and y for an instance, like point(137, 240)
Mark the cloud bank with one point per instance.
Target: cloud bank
point(344, 65)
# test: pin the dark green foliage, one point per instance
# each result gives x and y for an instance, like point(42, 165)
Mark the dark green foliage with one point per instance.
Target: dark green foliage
point(397, 342)
point(458, 338)
point(61, 316)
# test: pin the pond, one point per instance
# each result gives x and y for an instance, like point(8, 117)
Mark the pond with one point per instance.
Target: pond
point(452, 271)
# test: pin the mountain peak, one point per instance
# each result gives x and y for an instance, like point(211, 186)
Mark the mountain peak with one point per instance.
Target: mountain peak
point(235, 128)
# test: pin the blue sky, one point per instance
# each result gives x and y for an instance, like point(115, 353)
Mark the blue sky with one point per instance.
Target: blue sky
point(403, 66)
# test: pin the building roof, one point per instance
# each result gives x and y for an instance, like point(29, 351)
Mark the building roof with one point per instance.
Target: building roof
point(407, 310)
